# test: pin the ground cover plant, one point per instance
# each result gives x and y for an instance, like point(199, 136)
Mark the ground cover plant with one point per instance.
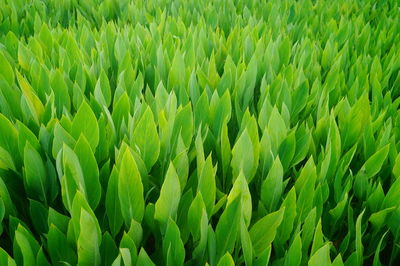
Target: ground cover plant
point(199, 132)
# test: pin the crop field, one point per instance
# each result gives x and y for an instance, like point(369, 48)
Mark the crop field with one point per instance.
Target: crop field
point(194, 132)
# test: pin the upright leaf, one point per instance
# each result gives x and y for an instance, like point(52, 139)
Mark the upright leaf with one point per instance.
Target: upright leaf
point(241, 189)
point(167, 204)
point(294, 254)
point(35, 174)
point(113, 207)
point(272, 186)
point(90, 170)
point(145, 139)
point(243, 156)
point(228, 227)
point(85, 122)
point(206, 185)
point(173, 249)
point(88, 242)
point(321, 257)
point(130, 190)
point(263, 232)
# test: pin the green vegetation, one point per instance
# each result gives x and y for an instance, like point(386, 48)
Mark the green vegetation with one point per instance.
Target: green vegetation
point(199, 132)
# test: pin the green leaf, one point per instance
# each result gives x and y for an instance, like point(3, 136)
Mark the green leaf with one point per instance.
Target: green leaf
point(136, 232)
point(303, 140)
point(183, 125)
point(62, 98)
point(245, 240)
point(117, 261)
point(263, 232)
point(25, 56)
point(74, 228)
point(58, 220)
point(294, 254)
point(250, 123)
point(88, 241)
point(378, 219)
point(113, 208)
point(285, 51)
point(143, 259)
point(226, 260)
point(7, 201)
point(6, 70)
point(358, 242)
point(321, 257)
point(167, 204)
point(39, 216)
point(338, 261)
point(328, 54)
point(41, 258)
point(241, 189)
point(307, 172)
point(25, 247)
point(2, 212)
point(272, 186)
point(130, 190)
point(306, 190)
point(200, 159)
point(145, 139)
point(211, 245)
point(264, 257)
point(61, 138)
point(35, 174)
point(181, 162)
point(6, 259)
point(26, 135)
point(396, 167)
point(108, 249)
point(392, 197)
point(172, 246)
point(287, 150)
point(73, 180)
point(121, 111)
point(228, 228)
point(276, 127)
point(266, 154)
point(126, 256)
point(202, 110)
point(318, 240)
point(374, 164)
point(251, 79)
point(177, 73)
point(198, 252)
point(85, 122)
point(242, 156)
point(299, 99)
point(9, 138)
point(221, 113)
point(6, 161)
point(376, 198)
point(206, 185)
point(286, 227)
point(308, 229)
point(102, 91)
point(59, 248)
point(376, 68)
point(90, 170)
point(128, 250)
point(378, 250)
point(195, 213)
point(225, 149)
point(355, 121)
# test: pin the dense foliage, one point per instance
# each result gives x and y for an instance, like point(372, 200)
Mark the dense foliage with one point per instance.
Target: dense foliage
point(199, 132)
